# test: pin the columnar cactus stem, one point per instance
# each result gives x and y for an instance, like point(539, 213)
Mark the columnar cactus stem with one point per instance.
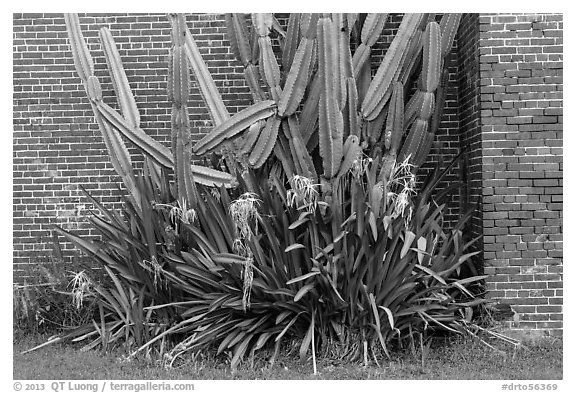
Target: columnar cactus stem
point(179, 88)
point(331, 123)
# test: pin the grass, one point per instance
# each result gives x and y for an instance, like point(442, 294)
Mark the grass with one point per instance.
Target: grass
point(447, 359)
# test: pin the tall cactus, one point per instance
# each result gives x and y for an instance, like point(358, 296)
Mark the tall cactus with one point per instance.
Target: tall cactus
point(321, 97)
point(178, 94)
point(84, 65)
point(114, 125)
point(319, 84)
point(331, 123)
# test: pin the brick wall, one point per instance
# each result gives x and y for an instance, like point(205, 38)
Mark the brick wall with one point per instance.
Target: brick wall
point(521, 116)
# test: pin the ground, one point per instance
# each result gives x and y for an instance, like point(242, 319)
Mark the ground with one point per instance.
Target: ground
point(449, 359)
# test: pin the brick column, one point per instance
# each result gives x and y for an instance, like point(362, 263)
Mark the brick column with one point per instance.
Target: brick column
point(521, 127)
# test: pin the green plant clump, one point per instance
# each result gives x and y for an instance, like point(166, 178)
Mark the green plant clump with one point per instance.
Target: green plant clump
point(307, 224)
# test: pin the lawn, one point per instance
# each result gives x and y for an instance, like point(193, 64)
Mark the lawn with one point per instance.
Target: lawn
point(453, 359)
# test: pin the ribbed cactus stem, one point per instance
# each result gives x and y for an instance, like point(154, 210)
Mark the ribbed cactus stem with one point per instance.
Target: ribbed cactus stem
point(179, 81)
point(331, 124)
point(371, 30)
point(239, 37)
point(208, 88)
point(82, 59)
point(292, 42)
point(449, 26)
point(395, 120)
point(235, 125)
point(380, 89)
point(124, 95)
point(297, 79)
point(119, 156)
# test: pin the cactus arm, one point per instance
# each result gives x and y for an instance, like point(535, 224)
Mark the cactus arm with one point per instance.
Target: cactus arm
point(440, 101)
point(269, 68)
point(373, 26)
point(352, 18)
point(234, 125)
point(395, 120)
point(308, 25)
point(293, 38)
point(449, 26)
point(297, 78)
point(413, 60)
point(413, 140)
point(339, 23)
point(352, 152)
point(330, 119)
point(280, 33)
point(302, 159)
point(301, 154)
point(265, 143)
point(208, 88)
point(124, 95)
point(211, 177)
point(119, 156)
point(380, 89)
point(437, 44)
point(431, 58)
point(411, 109)
point(309, 115)
point(425, 147)
point(281, 150)
point(238, 35)
point(363, 80)
point(251, 136)
point(82, 59)
point(422, 107)
point(239, 38)
point(179, 91)
point(372, 130)
point(155, 150)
